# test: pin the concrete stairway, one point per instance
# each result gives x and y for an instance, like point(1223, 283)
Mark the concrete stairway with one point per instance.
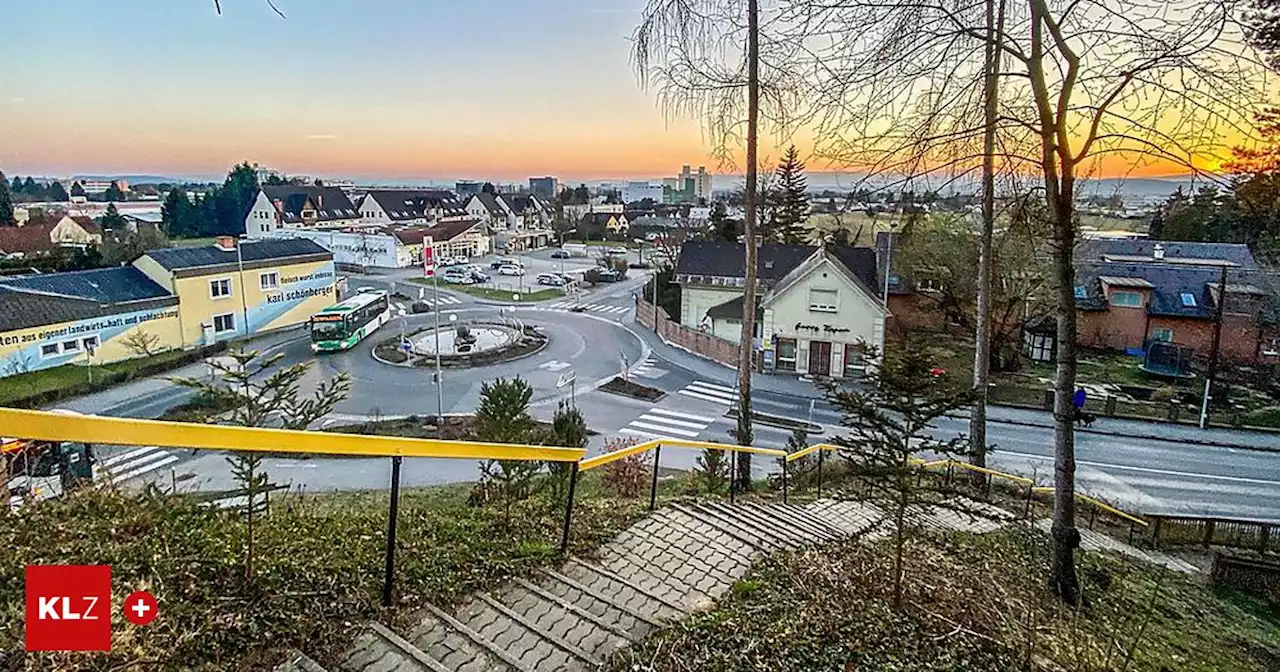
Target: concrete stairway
point(677, 561)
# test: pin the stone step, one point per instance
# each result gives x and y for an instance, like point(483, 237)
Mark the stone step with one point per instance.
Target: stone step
point(597, 636)
point(819, 529)
point(658, 573)
point(456, 646)
point(626, 612)
point(299, 662)
point(749, 518)
point(763, 540)
point(667, 541)
point(378, 649)
point(855, 518)
point(517, 641)
point(658, 606)
point(738, 540)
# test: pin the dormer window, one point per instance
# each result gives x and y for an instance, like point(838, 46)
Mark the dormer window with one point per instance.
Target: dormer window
point(1081, 292)
point(1188, 299)
point(308, 214)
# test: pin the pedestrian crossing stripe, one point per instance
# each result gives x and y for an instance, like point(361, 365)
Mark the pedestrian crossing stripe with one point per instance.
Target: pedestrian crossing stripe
point(449, 300)
point(660, 423)
point(136, 462)
point(710, 392)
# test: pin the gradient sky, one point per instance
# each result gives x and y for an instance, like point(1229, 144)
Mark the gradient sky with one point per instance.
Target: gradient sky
point(391, 89)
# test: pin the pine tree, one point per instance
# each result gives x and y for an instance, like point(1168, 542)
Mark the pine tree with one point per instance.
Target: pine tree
point(16, 187)
point(6, 202)
point(30, 188)
point(114, 193)
point(112, 220)
point(77, 190)
point(791, 200)
point(57, 192)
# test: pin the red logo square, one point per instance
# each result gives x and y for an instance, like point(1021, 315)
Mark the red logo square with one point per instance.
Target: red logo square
point(68, 607)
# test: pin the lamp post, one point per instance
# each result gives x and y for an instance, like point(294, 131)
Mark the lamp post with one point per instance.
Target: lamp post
point(244, 305)
point(888, 262)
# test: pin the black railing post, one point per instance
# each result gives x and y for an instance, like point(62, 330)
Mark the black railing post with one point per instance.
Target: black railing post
point(388, 579)
point(733, 474)
point(653, 486)
point(820, 454)
point(785, 469)
point(1026, 507)
point(568, 508)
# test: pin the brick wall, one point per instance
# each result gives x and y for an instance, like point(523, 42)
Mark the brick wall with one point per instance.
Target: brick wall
point(697, 342)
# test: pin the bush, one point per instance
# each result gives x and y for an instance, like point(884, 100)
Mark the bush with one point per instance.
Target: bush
point(627, 476)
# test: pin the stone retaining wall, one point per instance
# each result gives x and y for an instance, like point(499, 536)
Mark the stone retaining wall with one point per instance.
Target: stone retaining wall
point(697, 342)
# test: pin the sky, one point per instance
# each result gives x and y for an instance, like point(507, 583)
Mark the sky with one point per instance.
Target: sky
point(368, 89)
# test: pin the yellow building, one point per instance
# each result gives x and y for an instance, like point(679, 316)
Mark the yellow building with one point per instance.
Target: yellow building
point(228, 291)
point(170, 298)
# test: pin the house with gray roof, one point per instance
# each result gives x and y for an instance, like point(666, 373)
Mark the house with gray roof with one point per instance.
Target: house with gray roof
point(410, 207)
point(289, 206)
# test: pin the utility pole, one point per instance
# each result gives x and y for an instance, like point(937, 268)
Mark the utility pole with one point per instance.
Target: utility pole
point(1213, 353)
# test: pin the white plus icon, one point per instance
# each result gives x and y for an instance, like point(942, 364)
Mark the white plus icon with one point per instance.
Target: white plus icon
point(141, 608)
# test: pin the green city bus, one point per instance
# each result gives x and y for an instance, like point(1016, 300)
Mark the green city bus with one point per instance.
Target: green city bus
point(342, 325)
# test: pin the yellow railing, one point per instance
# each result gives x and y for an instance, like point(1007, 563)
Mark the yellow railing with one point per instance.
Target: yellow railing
point(981, 470)
point(601, 460)
point(47, 426)
point(804, 452)
point(1101, 505)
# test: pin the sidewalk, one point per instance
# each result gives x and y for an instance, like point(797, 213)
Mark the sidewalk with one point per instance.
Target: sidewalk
point(1130, 428)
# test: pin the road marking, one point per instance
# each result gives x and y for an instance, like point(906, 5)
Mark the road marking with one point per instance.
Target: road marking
point(168, 459)
point(658, 423)
point(665, 428)
point(149, 455)
point(1149, 470)
point(687, 416)
point(124, 457)
point(710, 392)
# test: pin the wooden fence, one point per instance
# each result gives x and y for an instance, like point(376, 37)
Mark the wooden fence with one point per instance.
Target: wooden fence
point(1236, 533)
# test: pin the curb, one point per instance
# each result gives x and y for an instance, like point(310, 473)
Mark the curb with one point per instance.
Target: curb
point(1127, 435)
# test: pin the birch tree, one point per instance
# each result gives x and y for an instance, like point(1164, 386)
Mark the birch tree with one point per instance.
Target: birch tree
point(1088, 85)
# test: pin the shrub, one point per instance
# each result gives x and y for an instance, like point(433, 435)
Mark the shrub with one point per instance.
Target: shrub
point(626, 476)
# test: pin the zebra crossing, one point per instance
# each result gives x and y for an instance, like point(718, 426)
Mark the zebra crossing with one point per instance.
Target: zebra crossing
point(712, 392)
point(402, 308)
point(662, 423)
point(136, 462)
point(593, 307)
point(646, 369)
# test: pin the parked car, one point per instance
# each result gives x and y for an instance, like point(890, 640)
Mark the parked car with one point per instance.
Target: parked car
point(652, 235)
point(552, 279)
point(460, 260)
point(560, 254)
point(505, 261)
point(446, 261)
point(456, 277)
point(510, 269)
point(610, 275)
point(478, 275)
point(617, 251)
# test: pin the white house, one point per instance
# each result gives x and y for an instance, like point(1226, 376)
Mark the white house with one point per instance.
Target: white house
point(818, 310)
point(409, 207)
point(277, 208)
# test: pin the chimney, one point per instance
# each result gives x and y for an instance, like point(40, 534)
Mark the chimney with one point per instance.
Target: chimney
point(279, 205)
point(1158, 253)
point(319, 201)
point(225, 243)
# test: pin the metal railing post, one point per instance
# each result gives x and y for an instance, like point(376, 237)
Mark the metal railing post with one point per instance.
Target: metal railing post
point(785, 469)
point(820, 455)
point(568, 508)
point(653, 485)
point(1026, 507)
point(388, 578)
point(733, 474)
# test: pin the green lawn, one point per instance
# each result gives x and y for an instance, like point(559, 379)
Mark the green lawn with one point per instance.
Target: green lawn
point(530, 294)
point(191, 242)
point(26, 385)
point(602, 243)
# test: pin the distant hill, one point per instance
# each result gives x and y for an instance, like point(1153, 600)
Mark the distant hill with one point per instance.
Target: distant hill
point(136, 179)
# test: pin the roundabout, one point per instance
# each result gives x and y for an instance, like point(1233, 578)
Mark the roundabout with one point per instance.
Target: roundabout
point(590, 348)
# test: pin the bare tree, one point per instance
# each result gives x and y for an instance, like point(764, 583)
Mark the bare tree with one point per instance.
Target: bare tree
point(141, 342)
point(1087, 80)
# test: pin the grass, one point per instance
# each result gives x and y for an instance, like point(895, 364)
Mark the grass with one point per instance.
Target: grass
point(973, 602)
point(25, 385)
point(503, 294)
point(318, 561)
point(192, 242)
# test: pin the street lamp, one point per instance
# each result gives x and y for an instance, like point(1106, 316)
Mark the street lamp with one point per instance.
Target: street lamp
point(888, 262)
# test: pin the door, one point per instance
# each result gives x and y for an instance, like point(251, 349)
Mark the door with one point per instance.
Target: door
point(819, 358)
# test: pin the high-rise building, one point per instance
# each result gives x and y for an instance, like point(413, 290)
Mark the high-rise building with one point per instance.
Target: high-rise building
point(701, 181)
point(544, 187)
point(467, 188)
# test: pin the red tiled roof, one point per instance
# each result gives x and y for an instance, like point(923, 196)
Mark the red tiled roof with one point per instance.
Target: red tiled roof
point(90, 227)
point(28, 239)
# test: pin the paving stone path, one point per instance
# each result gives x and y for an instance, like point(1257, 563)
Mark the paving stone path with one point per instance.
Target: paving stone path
point(673, 563)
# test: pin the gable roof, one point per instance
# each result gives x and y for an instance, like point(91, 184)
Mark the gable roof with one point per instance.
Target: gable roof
point(259, 250)
point(773, 260)
point(38, 300)
point(29, 239)
point(490, 203)
point(1143, 250)
point(90, 227)
point(1166, 283)
point(407, 204)
point(330, 203)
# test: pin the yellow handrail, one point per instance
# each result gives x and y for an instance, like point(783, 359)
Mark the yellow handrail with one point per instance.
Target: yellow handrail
point(792, 457)
point(47, 426)
point(1101, 505)
point(601, 460)
point(981, 470)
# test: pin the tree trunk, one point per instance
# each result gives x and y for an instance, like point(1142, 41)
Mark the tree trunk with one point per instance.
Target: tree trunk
point(1065, 536)
point(750, 201)
point(982, 336)
point(899, 539)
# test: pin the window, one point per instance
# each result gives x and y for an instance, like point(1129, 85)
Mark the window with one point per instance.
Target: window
point(268, 280)
point(71, 346)
point(1081, 292)
point(1162, 334)
point(224, 323)
point(823, 300)
point(49, 350)
point(89, 342)
point(1126, 299)
point(1272, 349)
point(1189, 299)
point(852, 360)
point(786, 348)
point(220, 288)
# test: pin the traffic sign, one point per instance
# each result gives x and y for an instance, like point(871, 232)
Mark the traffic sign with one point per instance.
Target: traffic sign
point(566, 379)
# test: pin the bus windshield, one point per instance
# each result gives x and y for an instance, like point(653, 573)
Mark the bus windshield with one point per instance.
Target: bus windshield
point(328, 331)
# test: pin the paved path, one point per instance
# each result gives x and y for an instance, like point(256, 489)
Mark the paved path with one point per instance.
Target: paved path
point(673, 563)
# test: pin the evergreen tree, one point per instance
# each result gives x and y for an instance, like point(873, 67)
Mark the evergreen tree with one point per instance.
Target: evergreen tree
point(77, 190)
point(16, 187)
point(790, 200)
point(57, 193)
point(6, 202)
point(176, 214)
point(113, 194)
point(488, 188)
point(113, 220)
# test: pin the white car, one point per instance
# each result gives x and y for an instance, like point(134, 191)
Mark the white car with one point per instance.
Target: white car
point(618, 251)
point(510, 269)
point(458, 277)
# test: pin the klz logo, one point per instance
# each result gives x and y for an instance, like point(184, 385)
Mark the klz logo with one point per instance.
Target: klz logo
point(68, 608)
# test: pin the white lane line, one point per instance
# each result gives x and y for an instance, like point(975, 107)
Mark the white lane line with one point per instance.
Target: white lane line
point(124, 457)
point(615, 310)
point(663, 429)
point(145, 470)
point(678, 414)
point(706, 397)
point(1151, 470)
point(650, 417)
